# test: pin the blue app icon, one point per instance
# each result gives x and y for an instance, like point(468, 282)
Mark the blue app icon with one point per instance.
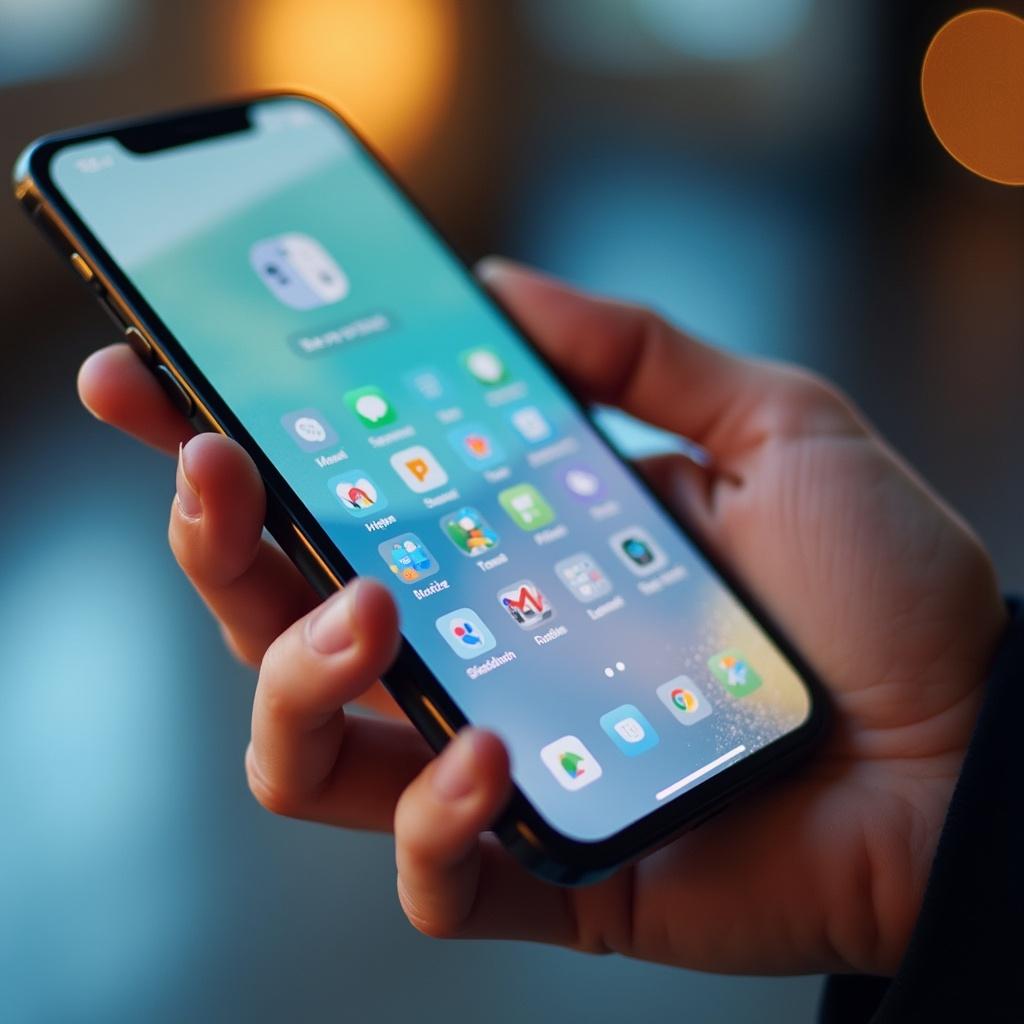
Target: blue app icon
point(408, 558)
point(629, 730)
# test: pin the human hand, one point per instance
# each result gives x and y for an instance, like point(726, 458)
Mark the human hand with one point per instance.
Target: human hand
point(885, 592)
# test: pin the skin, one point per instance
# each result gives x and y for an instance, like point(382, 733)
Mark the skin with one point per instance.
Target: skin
point(886, 592)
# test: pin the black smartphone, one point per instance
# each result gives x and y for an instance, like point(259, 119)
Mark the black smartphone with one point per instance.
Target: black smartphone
point(289, 294)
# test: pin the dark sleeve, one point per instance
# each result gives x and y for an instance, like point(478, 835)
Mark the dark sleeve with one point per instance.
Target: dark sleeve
point(965, 960)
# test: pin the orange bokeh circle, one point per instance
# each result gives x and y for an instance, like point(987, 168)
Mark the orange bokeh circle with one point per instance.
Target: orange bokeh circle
point(972, 83)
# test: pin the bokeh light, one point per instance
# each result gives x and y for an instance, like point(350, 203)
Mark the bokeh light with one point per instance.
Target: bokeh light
point(651, 35)
point(389, 66)
point(57, 36)
point(972, 83)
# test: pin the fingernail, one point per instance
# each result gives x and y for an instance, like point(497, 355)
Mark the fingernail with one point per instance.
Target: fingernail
point(331, 630)
point(455, 776)
point(490, 267)
point(188, 497)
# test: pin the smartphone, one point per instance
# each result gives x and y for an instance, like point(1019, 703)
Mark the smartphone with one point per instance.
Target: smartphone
point(287, 293)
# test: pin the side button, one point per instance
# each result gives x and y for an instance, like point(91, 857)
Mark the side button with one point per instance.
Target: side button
point(83, 268)
point(139, 342)
point(177, 394)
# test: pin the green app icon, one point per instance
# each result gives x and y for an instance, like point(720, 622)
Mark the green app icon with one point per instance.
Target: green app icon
point(370, 405)
point(734, 672)
point(485, 364)
point(526, 508)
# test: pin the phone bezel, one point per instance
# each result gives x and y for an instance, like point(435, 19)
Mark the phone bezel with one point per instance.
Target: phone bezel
point(531, 836)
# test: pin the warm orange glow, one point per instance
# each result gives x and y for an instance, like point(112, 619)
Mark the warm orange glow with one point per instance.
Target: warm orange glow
point(389, 65)
point(972, 84)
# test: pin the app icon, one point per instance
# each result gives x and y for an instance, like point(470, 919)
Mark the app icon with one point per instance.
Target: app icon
point(583, 483)
point(735, 674)
point(476, 446)
point(583, 576)
point(526, 508)
point(418, 468)
point(469, 531)
point(684, 699)
point(428, 384)
point(525, 603)
point(629, 730)
point(309, 429)
point(531, 424)
point(371, 407)
point(485, 365)
point(408, 558)
point(298, 271)
point(357, 493)
point(638, 551)
point(571, 763)
point(466, 634)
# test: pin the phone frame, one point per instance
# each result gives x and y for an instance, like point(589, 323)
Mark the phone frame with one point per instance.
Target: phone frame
point(536, 842)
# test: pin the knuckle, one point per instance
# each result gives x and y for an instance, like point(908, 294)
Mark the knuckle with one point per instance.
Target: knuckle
point(270, 796)
point(650, 322)
point(242, 649)
point(804, 399)
point(277, 704)
point(276, 697)
point(182, 540)
point(432, 925)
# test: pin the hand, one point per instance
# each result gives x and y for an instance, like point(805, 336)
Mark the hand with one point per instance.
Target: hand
point(886, 593)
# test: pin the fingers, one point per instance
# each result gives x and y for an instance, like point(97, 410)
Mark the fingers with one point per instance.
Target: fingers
point(626, 356)
point(306, 759)
point(216, 534)
point(116, 388)
point(450, 882)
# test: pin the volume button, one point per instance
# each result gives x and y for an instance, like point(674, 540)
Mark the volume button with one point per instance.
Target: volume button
point(84, 270)
point(139, 342)
point(177, 394)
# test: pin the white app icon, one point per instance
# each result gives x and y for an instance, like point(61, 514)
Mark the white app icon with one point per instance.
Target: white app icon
point(630, 730)
point(571, 763)
point(418, 468)
point(372, 407)
point(310, 430)
point(298, 271)
point(531, 424)
point(582, 482)
point(485, 365)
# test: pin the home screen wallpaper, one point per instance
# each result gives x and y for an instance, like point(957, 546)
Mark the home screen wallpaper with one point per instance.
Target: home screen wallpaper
point(553, 599)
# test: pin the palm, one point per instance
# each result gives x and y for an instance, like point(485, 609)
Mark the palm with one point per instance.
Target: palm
point(870, 577)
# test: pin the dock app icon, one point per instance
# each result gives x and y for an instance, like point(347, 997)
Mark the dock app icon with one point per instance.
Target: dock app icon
point(298, 271)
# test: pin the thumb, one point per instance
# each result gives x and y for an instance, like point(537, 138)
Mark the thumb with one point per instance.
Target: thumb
point(627, 356)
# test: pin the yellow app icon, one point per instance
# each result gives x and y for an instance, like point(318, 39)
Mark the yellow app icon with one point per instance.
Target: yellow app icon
point(418, 468)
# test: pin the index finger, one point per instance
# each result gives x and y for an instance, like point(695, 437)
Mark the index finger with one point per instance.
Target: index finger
point(116, 388)
point(306, 760)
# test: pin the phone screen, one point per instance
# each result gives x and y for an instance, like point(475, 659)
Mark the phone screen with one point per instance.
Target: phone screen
point(554, 599)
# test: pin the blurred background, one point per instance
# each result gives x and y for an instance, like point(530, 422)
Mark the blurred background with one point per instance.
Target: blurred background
point(760, 170)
